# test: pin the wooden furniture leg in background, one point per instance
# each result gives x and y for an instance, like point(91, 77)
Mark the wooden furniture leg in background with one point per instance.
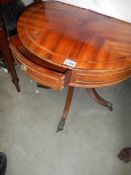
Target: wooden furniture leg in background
point(92, 92)
point(8, 57)
point(66, 109)
point(125, 155)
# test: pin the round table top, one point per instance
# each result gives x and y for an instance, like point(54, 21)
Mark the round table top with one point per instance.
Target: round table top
point(75, 38)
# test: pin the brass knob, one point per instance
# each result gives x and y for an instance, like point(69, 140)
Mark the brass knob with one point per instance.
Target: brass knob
point(23, 67)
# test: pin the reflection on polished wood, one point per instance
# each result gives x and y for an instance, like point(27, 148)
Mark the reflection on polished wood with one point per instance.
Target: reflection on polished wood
point(50, 33)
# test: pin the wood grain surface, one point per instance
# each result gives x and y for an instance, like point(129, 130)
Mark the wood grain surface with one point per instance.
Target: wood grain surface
point(100, 45)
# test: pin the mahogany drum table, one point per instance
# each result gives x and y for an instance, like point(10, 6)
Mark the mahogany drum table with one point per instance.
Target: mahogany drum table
point(61, 45)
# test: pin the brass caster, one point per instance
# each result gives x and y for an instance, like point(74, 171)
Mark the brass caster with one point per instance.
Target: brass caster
point(61, 125)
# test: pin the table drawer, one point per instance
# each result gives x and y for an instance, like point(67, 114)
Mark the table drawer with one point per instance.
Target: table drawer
point(41, 74)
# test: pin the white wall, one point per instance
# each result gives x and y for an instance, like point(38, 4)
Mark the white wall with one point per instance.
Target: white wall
point(120, 9)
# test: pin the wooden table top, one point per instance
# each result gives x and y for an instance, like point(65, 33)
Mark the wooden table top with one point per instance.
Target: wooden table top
point(56, 31)
point(96, 49)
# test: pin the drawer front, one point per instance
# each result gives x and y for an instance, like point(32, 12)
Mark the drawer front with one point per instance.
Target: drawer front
point(42, 75)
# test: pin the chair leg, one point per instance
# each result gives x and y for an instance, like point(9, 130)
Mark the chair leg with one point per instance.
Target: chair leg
point(66, 109)
point(92, 92)
point(9, 58)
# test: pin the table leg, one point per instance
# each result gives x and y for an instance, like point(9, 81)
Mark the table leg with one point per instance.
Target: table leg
point(92, 92)
point(66, 109)
point(9, 58)
point(125, 155)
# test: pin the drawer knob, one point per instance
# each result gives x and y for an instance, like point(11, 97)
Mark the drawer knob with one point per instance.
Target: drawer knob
point(23, 67)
